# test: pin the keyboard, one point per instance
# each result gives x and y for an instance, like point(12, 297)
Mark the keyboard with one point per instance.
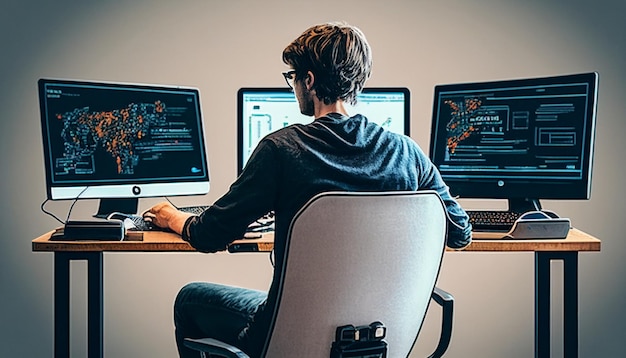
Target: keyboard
point(196, 210)
point(262, 224)
point(133, 222)
point(140, 224)
point(487, 220)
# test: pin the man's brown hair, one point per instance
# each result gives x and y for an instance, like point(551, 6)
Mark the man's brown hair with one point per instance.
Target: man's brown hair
point(339, 57)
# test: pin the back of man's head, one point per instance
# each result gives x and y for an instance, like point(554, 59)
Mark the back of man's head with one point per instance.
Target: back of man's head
point(339, 57)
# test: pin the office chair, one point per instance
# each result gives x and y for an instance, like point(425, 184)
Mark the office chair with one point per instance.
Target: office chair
point(353, 259)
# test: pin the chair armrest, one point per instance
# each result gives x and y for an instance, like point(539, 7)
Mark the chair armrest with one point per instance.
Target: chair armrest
point(213, 346)
point(446, 301)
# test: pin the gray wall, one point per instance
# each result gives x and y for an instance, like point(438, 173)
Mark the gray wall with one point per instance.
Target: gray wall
point(220, 46)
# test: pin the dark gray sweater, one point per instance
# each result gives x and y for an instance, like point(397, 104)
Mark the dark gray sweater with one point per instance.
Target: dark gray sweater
point(291, 165)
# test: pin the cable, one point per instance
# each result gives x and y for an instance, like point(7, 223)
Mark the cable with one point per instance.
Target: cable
point(169, 201)
point(69, 212)
point(43, 209)
point(49, 213)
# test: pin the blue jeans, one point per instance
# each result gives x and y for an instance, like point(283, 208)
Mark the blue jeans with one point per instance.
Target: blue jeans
point(207, 310)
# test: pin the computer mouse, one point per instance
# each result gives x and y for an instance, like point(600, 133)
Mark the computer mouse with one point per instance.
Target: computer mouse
point(551, 214)
point(534, 215)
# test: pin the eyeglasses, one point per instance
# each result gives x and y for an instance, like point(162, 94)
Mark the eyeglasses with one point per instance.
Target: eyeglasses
point(290, 77)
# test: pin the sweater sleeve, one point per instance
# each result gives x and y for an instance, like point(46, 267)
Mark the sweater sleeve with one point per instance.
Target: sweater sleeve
point(459, 228)
point(251, 196)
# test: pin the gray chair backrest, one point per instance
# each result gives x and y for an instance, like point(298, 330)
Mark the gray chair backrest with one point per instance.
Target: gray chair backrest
point(356, 258)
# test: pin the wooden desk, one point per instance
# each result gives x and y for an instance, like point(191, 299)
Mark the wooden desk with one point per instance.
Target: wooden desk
point(136, 241)
point(92, 251)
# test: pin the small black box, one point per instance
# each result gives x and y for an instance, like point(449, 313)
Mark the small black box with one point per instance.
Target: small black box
point(93, 230)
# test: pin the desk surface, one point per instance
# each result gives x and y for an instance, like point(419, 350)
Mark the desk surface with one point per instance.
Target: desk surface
point(159, 241)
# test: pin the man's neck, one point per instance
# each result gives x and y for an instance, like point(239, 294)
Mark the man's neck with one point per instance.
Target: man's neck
point(321, 109)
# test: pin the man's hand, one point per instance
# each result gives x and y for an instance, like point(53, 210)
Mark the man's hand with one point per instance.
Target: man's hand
point(165, 215)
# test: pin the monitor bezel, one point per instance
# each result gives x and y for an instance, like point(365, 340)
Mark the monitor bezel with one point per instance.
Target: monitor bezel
point(527, 189)
point(244, 90)
point(111, 189)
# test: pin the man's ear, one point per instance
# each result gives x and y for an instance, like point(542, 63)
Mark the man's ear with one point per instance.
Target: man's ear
point(309, 80)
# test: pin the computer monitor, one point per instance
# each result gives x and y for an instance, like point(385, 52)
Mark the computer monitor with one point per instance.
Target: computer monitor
point(261, 111)
point(118, 142)
point(521, 140)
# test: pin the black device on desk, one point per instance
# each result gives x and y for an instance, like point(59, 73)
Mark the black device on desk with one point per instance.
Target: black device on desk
point(521, 140)
point(90, 230)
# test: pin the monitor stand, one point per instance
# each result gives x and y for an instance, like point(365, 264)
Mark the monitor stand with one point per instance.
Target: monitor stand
point(120, 205)
point(523, 205)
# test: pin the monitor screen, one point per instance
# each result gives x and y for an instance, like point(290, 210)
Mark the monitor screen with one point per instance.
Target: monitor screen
point(261, 111)
point(119, 142)
point(522, 140)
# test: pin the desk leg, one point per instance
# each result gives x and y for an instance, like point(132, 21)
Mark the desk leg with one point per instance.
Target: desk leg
point(95, 326)
point(542, 302)
point(61, 304)
point(570, 306)
point(95, 305)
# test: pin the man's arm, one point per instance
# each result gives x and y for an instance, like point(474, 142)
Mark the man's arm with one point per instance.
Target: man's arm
point(459, 228)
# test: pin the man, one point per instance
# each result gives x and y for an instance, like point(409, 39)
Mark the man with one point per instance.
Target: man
point(328, 66)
